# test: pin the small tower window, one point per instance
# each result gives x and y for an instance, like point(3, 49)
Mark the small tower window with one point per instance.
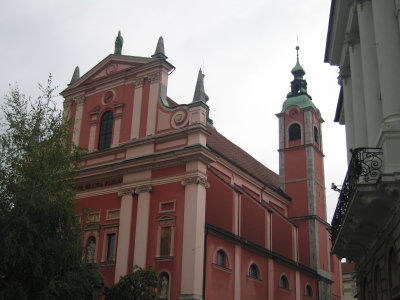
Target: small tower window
point(284, 282)
point(106, 126)
point(316, 135)
point(294, 132)
point(221, 258)
point(253, 272)
point(309, 291)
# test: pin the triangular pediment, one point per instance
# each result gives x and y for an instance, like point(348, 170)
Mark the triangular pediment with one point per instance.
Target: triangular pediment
point(110, 65)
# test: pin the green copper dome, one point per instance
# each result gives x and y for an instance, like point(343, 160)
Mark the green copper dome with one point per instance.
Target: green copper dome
point(298, 95)
point(302, 101)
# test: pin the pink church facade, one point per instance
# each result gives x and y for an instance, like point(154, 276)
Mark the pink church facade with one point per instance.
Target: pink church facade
point(160, 186)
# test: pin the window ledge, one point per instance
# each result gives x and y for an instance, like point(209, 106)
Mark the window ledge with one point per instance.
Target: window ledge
point(254, 279)
point(164, 258)
point(222, 268)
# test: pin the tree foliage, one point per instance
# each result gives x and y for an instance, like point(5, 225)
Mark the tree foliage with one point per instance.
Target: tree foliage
point(139, 285)
point(40, 246)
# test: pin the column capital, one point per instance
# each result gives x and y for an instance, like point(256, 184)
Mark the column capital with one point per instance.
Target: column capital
point(80, 100)
point(124, 192)
point(68, 103)
point(143, 188)
point(195, 180)
point(344, 73)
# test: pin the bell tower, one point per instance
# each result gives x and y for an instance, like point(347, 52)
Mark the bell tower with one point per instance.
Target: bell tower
point(301, 171)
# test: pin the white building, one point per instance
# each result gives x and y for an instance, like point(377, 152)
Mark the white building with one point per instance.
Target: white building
point(364, 42)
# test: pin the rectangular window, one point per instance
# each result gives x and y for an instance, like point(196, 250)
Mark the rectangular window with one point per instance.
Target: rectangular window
point(94, 217)
point(165, 242)
point(112, 214)
point(110, 247)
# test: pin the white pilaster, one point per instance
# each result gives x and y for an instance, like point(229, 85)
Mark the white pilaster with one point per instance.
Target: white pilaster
point(373, 108)
point(137, 108)
point(238, 270)
point(388, 51)
point(360, 123)
point(345, 81)
point(78, 119)
point(193, 237)
point(124, 233)
point(142, 225)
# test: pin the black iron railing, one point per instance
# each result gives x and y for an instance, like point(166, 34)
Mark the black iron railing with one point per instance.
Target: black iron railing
point(365, 167)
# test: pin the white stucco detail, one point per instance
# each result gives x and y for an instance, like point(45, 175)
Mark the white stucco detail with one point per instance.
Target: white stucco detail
point(154, 95)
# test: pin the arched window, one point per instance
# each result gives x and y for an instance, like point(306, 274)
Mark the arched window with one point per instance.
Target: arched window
point(309, 292)
point(106, 127)
point(90, 249)
point(284, 282)
point(163, 286)
point(316, 135)
point(221, 258)
point(294, 132)
point(254, 272)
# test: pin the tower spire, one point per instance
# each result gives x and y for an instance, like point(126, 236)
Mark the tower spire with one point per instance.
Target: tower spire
point(160, 52)
point(199, 92)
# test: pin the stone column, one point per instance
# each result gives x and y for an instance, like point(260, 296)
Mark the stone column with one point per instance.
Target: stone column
point(373, 108)
point(360, 123)
point(193, 237)
point(78, 119)
point(117, 124)
point(124, 233)
point(388, 52)
point(345, 82)
point(142, 225)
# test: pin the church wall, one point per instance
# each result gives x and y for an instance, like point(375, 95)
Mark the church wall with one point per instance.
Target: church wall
point(280, 293)
point(282, 236)
point(172, 192)
point(253, 288)
point(304, 242)
point(252, 221)
point(298, 192)
point(295, 164)
point(219, 203)
point(220, 281)
point(100, 204)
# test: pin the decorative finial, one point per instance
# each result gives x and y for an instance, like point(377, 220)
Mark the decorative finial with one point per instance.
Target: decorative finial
point(75, 76)
point(199, 92)
point(119, 41)
point(160, 53)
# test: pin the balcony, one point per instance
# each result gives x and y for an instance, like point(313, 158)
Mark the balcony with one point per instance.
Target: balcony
point(364, 205)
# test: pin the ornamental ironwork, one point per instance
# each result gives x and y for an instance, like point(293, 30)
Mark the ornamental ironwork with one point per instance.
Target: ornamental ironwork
point(364, 168)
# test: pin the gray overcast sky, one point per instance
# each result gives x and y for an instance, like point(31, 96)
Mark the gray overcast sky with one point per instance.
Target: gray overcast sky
point(246, 47)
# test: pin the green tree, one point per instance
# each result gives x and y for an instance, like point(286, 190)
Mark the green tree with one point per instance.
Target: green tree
point(40, 245)
point(139, 285)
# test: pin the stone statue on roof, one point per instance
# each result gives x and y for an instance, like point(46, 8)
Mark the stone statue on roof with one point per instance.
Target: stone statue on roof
point(119, 41)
